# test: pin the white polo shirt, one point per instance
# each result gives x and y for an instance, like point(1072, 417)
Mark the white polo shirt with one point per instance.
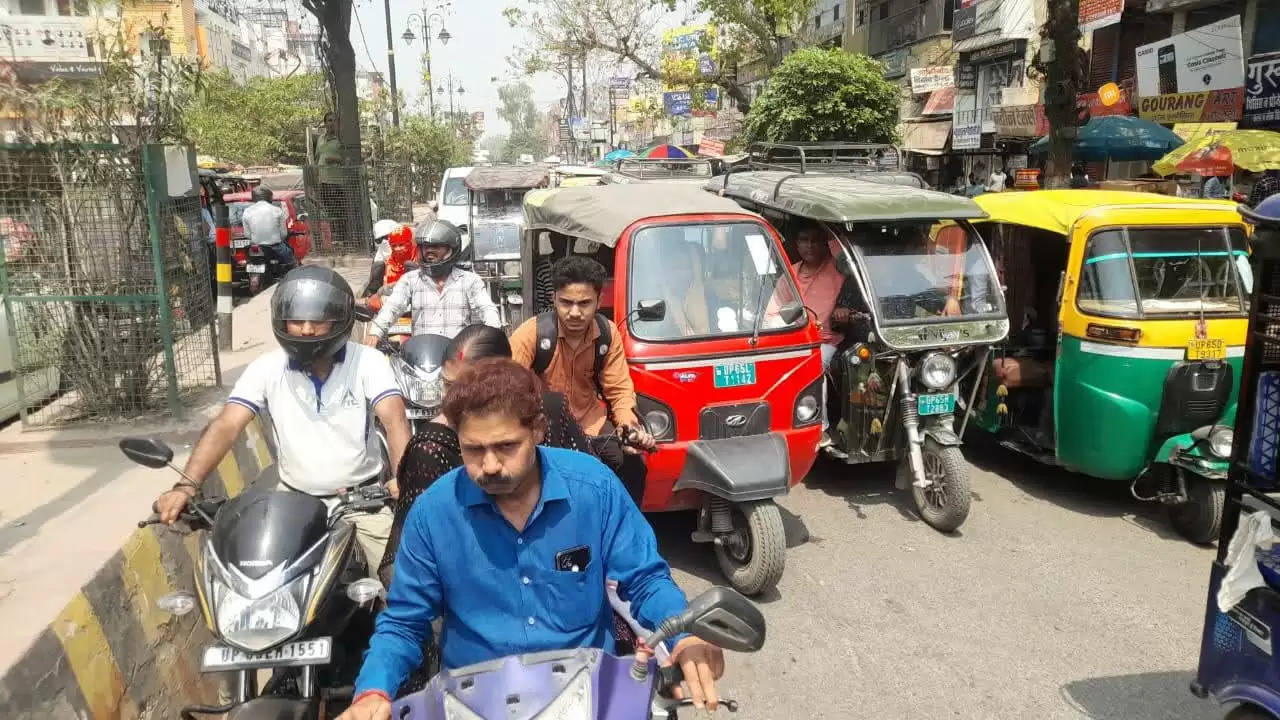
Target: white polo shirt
point(324, 432)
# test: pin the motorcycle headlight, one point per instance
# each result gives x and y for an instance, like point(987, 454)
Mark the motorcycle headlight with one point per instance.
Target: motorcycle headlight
point(937, 371)
point(257, 624)
point(1220, 440)
point(419, 390)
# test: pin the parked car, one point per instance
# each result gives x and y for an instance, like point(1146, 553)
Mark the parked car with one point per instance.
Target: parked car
point(297, 213)
point(453, 202)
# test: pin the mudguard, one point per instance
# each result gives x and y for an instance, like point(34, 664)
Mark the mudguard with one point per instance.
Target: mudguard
point(741, 469)
point(276, 708)
point(1185, 452)
point(940, 430)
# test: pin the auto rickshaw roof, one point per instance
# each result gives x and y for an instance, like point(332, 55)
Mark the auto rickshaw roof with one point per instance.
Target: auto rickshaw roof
point(600, 213)
point(842, 198)
point(1057, 210)
point(507, 177)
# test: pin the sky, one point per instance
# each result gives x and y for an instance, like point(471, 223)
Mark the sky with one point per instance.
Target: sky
point(478, 49)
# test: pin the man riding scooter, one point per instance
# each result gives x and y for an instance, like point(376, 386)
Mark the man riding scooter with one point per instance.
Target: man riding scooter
point(442, 298)
point(264, 226)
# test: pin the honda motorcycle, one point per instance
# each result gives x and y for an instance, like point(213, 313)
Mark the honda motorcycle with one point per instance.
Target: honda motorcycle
point(283, 585)
point(587, 683)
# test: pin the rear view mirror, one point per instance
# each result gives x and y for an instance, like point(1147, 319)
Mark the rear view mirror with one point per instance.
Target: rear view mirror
point(724, 618)
point(791, 312)
point(651, 310)
point(435, 206)
point(146, 451)
point(364, 314)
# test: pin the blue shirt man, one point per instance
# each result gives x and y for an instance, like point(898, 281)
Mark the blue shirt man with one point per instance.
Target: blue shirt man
point(516, 562)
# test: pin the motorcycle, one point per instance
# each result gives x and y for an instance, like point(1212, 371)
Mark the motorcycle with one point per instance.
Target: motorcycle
point(417, 362)
point(587, 683)
point(283, 585)
point(264, 268)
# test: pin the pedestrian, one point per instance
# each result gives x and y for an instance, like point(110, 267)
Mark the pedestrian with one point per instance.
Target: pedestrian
point(975, 188)
point(1215, 187)
point(996, 181)
point(1267, 186)
point(335, 193)
point(1079, 176)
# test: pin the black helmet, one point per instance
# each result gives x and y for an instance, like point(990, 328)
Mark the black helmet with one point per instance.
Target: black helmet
point(438, 232)
point(262, 192)
point(317, 294)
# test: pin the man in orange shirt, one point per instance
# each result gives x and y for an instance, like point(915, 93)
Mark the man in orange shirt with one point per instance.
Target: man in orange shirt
point(821, 285)
point(585, 363)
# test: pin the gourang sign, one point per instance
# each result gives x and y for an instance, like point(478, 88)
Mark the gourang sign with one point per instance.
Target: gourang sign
point(1197, 76)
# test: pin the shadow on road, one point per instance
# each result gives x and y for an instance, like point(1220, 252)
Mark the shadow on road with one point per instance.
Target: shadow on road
point(1145, 696)
point(860, 486)
point(1071, 491)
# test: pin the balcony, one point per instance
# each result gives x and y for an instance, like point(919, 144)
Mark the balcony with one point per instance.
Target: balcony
point(904, 27)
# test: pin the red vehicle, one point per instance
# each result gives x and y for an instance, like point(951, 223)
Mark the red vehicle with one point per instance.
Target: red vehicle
point(246, 266)
point(725, 362)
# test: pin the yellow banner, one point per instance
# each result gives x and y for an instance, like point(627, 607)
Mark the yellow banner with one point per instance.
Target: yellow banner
point(1193, 107)
point(688, 52)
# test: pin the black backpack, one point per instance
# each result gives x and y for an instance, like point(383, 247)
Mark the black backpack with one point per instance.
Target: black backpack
point(548, 332)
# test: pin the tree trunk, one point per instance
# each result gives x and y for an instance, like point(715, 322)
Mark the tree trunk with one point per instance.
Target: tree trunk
point(1062, 77)
point(335, 17)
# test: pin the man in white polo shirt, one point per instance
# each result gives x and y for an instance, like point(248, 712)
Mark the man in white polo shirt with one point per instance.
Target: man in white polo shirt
point(322, 393)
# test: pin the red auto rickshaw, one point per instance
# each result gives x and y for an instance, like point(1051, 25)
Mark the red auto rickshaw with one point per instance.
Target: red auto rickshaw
point(724, 359)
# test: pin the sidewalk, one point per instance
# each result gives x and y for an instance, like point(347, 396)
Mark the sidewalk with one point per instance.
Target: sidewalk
point(72, 499)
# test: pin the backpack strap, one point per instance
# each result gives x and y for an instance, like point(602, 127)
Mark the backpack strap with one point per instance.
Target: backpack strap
point(602, 351)
point(545, 349)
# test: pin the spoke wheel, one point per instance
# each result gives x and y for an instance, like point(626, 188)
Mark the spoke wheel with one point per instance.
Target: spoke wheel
point(944, 504)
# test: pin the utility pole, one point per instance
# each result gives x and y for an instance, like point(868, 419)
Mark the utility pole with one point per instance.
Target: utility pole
point(1060, 61)
point(391, 67)
point(568, 107)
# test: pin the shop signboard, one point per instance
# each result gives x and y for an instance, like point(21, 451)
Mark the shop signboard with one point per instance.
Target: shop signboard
point(965, 22)
point(710, 147)
point(1197, 76)
point(1020, 120)
point(1026, 179)
point(927, 79)
point(966, 136)
point(1008, 48)
point(1097, 108)
point(1262, 93)
point(689, 51)
point(45, 39)
point(1096, 14)
point(895, 63)
point(966, 77)
point(681, 102)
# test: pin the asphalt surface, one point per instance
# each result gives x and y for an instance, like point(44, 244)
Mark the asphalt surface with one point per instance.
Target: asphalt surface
point(1060, 597)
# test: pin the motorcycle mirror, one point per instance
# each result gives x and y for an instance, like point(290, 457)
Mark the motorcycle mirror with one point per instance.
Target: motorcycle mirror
point(792, 312)
point(435, 206)
point(364, 314)
point(146, 451)
point(302, 216)
point(725, 618)
point(651, 310)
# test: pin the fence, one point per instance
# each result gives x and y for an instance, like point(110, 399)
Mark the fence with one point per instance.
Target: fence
point(340, 195)
point(108, 304)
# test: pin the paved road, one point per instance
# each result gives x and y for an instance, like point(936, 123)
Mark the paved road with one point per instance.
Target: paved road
point(1059, 598)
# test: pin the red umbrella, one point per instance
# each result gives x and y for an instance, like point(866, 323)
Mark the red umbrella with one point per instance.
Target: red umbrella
point(666, 151)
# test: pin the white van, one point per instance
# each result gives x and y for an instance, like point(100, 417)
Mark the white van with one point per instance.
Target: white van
point(453, 200)
point(39, 384)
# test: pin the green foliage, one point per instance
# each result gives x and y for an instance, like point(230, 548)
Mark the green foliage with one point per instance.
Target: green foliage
point(497, 147)
point(531, 142)
point(263, 121)
point(826, 95)
point(521, 114)
point(429, 145)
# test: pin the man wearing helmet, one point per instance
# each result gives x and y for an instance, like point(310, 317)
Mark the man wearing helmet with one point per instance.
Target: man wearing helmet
point(264, 225)
point(443, 298)
point(321, 391)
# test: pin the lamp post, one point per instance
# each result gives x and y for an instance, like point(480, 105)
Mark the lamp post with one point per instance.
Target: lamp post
point(423, 20)
point(452, 89)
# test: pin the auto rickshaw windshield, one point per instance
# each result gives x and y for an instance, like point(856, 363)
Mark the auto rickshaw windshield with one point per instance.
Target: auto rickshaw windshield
point(715, 278)
point(921, 271)
point(1178, 271)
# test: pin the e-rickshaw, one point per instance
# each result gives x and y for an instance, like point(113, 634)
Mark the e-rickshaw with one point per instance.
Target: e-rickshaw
point(694, 171)
point(725, 363)
point(929, 312)
point(1238, 643)
point(576, 175)
point(1130, 313)
point(495, 223)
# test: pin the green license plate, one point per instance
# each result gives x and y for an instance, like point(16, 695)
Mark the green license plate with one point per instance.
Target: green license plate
point(735, 374)
point(939, 404)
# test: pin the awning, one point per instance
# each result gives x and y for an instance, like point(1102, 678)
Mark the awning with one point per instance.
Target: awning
point(926, 138)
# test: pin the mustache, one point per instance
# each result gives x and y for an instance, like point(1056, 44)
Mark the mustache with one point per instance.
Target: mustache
point(500, 480)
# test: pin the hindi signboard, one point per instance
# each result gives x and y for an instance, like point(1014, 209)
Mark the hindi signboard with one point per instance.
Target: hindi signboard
point(927, 79)
point(1262, 93)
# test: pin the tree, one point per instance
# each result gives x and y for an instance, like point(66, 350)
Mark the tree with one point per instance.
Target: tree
point(262, 121)
point(755, 31)
point(334, 17)
point(1062, 76)
point(518, 109)
point(429, 146)
point(496, 146)
point(826, 95)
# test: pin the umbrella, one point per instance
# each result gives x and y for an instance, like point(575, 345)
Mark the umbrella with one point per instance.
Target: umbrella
point(616, 155)
point(1118, 137)
point(1221, 154)
point(667, 151)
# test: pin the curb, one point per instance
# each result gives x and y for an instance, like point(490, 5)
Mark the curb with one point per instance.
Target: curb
point(110, 653)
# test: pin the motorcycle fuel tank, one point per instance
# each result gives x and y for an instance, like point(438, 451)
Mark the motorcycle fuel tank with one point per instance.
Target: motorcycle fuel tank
point(263, 529)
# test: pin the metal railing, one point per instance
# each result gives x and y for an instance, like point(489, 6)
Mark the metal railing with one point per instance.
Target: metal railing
point(906, 27)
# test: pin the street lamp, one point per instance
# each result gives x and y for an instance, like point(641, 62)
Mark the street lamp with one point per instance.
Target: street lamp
point(440, 89)
point(423, 21)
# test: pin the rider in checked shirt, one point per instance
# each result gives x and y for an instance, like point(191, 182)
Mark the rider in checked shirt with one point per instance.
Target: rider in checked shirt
point(442, 298)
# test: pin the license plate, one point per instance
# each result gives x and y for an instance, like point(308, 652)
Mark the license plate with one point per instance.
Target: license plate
point(240, 242)
point(256, 268)
point(402, 327)
point(1207, 349)
point(315, 651)
point(939, 404)
point(735, 374)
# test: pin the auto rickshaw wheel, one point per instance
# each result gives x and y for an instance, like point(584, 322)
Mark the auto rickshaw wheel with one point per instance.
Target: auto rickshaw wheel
point(1249, 712)
point(944, 504)
point(753, 556)
point(1199, 519)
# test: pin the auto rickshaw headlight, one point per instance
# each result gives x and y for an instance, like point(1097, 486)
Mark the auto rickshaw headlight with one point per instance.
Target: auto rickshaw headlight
point(807, 409)
point(1220, 440)
point(937, 371)
point(658, 422)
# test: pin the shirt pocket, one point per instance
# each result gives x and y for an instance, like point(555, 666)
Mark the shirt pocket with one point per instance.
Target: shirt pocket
point(574, 600)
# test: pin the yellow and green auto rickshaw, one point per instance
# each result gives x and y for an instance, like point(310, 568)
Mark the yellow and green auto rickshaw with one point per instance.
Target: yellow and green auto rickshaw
point(1128, 317)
